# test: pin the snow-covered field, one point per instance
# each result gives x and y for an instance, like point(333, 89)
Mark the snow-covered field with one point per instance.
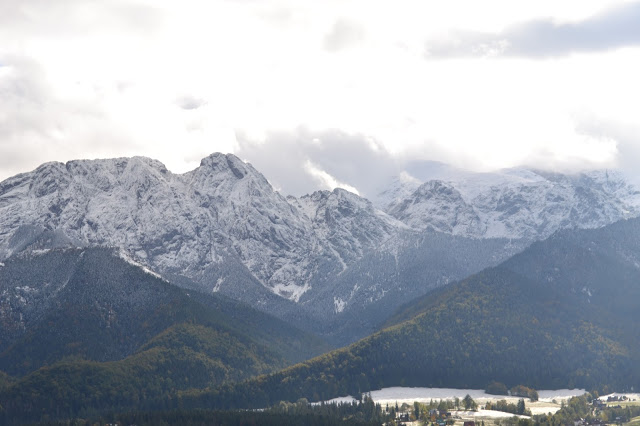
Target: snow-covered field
point(424, 395)
point(481, 413)
point(549, 395)
point(400, 394)
point(631, 396)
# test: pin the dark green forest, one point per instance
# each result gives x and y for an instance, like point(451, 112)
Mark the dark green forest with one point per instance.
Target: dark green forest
point(496, 325)
point(115, 337)
point(562, 314)
point(363, 413)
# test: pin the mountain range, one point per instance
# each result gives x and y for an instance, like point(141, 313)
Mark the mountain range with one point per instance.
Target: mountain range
point(332, 261)
point(123, 285)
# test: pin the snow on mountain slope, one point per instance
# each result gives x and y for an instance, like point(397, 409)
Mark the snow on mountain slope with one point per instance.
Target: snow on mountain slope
point(441, 206)
point(400, 188)
point(223, 228)
point(349, 222)
point(405, 267)
point(223, 212)
point(516, 203)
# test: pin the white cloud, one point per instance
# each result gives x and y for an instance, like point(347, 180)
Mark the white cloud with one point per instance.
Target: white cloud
point(177, 81)
point(325, 180)
point(298, 162)
point(343, 34)
point(546, 37)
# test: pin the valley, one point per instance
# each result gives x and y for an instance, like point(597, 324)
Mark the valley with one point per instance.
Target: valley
point(286, 213)
point(125, 287)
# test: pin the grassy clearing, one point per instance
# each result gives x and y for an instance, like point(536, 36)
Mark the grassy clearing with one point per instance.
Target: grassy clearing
point(624, 403)
point(634, 422)
point(544, 407)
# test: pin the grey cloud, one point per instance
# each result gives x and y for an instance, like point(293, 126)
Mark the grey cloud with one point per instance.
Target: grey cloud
point(349, 158)
point(625, 137)
point(189, 102)
point(343, 34)
point(613, 28)
point(353, 159)
point(23, 96)
point(359, 162)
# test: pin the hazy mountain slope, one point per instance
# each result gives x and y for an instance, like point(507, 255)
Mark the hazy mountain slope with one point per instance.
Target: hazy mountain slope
point(597, 266)
point(362, 297)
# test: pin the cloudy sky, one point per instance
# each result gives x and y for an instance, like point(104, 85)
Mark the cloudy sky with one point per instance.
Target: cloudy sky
point(317, 94)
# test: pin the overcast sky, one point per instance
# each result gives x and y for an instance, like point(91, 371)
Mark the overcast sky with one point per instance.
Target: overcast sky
point(317, 94)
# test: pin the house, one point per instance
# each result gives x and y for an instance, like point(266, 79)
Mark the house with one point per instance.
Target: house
point(403, 417)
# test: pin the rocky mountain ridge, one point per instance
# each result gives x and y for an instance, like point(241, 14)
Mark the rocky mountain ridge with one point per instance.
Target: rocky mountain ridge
point(222, 211)
point(512, 203)
point(330, 261)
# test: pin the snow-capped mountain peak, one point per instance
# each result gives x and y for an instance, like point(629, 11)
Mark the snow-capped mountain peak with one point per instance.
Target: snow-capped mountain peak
point(222, 212)
point(517, 203)
point(223, 228)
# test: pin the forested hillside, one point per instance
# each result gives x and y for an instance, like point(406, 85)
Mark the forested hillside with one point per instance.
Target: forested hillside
point(561, 314)
point(92, 331)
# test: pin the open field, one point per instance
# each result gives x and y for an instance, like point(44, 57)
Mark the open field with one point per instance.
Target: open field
point(549, 400)
point(545, 404)
point(634, 422)
point(424, 395)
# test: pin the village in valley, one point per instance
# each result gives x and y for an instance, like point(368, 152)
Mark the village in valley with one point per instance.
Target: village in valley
point(576, 408)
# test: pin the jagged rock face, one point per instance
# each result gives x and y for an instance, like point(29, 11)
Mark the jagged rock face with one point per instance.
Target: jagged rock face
point(187, 224)
point(350, 223)
point(440, 206)
point(516, 203)
point(132, 203)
